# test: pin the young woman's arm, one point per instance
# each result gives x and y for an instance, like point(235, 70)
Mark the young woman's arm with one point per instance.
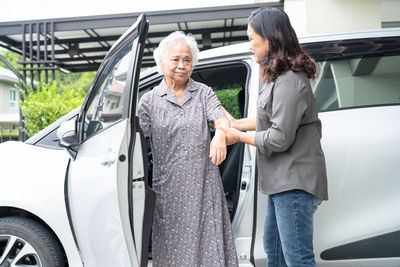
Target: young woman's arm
point(245, 124)
point(234, 136)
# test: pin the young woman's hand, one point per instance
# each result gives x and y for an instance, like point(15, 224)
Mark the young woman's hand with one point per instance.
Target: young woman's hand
point(245, 124)
point(232, 136)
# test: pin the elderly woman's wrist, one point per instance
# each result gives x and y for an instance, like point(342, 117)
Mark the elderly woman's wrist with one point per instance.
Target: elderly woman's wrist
point(220, 132)
point(221, 129)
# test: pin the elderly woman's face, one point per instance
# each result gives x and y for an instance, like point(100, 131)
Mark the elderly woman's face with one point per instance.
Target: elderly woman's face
point(177, 65)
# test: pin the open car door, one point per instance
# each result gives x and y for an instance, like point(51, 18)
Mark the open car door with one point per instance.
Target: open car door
point(108, 200)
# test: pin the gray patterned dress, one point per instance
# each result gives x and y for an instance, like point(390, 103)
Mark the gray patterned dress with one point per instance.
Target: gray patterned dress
point(191, 225)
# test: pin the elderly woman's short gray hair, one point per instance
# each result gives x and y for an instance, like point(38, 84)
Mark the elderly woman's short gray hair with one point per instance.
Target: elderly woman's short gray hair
point(161, 52)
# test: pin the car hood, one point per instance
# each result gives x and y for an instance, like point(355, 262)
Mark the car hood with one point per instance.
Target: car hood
point(32, 180)
point(30, 171)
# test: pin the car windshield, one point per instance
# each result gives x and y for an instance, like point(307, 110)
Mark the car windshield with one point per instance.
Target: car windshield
point(356, 73)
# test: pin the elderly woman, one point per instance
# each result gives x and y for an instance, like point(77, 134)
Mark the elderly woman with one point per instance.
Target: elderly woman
point(191, 225)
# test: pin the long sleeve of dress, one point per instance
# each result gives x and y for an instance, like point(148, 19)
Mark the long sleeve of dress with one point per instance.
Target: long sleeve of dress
point(214, 111)
point(145, 113)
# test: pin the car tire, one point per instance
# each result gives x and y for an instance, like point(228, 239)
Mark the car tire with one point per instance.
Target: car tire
point(28, 243)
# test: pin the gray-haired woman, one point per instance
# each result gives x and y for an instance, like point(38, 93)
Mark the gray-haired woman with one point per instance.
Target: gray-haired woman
point(191, 225)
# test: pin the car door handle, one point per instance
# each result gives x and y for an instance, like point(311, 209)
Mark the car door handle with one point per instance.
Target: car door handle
point(109, 158)
point(108, 163)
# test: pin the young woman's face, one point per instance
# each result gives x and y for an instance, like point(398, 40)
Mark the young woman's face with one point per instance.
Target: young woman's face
point(258, 45)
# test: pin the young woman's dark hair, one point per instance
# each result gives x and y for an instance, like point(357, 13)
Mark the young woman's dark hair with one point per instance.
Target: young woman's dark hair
point(284, 51)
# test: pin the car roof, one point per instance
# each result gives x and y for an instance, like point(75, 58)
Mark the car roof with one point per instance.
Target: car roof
point(351, 35)
point(243, 48)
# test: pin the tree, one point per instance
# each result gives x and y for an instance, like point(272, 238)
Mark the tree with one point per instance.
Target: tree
point(46, 103)
point(11, 57)
point(77, 81)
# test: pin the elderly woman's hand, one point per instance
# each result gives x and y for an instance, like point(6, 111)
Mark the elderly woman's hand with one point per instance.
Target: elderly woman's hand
point(218, 147)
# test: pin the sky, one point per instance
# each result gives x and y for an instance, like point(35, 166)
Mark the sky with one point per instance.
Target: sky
point(17, 10)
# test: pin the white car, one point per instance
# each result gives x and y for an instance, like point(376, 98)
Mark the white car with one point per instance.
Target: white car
point(92, 206)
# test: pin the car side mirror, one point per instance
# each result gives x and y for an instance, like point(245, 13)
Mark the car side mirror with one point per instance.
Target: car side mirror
point(68, 136)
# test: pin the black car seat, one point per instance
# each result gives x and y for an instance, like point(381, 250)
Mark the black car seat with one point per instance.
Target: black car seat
point(230, 171)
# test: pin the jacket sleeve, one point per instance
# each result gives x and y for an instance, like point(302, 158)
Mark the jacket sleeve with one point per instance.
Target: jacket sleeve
point(288, 108)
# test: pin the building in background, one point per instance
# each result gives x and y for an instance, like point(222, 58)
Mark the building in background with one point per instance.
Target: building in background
point(9, 106)
point(310, 17)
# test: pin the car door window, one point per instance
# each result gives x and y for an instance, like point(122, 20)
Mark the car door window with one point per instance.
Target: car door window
point(106, 107)
point(357, 82)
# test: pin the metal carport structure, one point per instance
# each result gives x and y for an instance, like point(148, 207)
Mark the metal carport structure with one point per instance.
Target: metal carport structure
point(79, 44)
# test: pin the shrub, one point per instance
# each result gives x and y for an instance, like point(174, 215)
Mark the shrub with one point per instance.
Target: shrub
point(46, 103)
point(229, 100)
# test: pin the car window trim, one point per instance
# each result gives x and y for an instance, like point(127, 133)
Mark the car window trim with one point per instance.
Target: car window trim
point(100, 78)
point(361, 107)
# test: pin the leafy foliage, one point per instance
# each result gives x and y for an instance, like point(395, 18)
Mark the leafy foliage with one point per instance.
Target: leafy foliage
point(71, 80)
point(76, 81)
point(229, 100)
point(46, 103)
point(10, 57)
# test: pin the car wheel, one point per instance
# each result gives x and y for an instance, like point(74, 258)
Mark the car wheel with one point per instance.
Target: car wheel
point(24, 242)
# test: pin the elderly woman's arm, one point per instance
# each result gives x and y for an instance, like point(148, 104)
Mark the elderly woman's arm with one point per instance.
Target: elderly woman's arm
point(218, 143)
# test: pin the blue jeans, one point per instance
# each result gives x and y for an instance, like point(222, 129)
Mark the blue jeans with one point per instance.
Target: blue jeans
point(288, 229)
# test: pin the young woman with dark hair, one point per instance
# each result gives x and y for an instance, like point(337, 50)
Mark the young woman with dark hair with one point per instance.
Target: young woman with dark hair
point(284, 50)
point(291, 163)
